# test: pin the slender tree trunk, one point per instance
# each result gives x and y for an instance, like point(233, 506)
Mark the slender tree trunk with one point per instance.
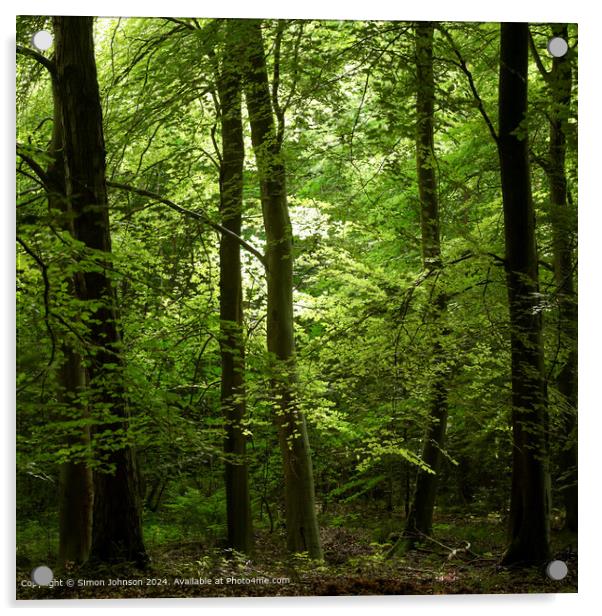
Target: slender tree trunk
point(153, 499)
point(560, 82)
point(238, 505)
point(420, 519)
point(117, 529)
point(301, 520)
point(529, 512)
point(75, 478)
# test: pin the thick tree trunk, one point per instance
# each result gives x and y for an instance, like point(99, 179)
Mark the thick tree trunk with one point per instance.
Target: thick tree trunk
point(529, 508)
point(560, 82)
point(76, 488)
point(420, 519)
point(75, 479)
point(117, 530)
point(238, 505)
point(301, 520)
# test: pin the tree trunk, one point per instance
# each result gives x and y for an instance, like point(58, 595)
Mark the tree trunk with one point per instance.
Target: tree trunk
point(75, 478)
point(153, 499)
point(301, 520)
point(529, 512)
point(117, 529)
point(76, 487)
point(420, 519)
point(238, 505)
point(560, 82)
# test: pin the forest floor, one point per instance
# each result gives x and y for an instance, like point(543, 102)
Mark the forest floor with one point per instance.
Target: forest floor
point(461, 558)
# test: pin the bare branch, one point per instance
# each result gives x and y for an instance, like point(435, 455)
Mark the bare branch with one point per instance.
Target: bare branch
point(202, 216)
point(464, 68)
point(542, 69)
point(181, 22)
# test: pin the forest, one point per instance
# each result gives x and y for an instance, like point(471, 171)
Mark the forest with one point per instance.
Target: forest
point(296, 307)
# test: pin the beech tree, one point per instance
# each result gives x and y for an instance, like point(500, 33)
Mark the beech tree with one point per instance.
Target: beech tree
point(529, 506)
point(76, 488)
point(301, 521)
point(75, 481)
point(239, 237)
point(116, 529)
point(420, 518)
point(558, 80)
point(240, 529)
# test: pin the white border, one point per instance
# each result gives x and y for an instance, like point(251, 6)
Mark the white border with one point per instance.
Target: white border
point(461, 10)
point(590, 232)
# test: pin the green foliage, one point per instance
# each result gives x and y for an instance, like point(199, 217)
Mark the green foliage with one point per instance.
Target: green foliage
point(363, 304)
point(196, 514)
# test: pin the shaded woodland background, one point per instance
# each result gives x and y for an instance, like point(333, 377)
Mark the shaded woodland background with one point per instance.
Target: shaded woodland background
point(297, 299)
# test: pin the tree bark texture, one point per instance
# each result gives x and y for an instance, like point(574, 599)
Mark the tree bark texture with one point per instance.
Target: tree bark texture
point(301, 520)
point(238, 505)
point(76, 486)
point(560, 84)
point(420, 519)
point(76, 490)
point(117, 530)
point(529, 508)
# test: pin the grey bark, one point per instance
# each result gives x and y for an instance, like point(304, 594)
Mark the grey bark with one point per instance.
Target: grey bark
point(563, 236)
point(420, 518)
point(301, 519)
point(238, 505)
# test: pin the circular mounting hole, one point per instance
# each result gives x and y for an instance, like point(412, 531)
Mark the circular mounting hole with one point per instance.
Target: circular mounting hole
point(557, 47)
point(557, 570)
point(42, 40)
point(42, 576)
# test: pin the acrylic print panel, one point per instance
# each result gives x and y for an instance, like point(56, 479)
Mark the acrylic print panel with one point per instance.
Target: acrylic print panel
point(296, 307)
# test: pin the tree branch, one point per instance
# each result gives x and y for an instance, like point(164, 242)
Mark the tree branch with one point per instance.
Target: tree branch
point(295, 69)
point(37, 169)
point(464, 68)
point(542, 69)
point(199, 216)
point(181, 22)
point(276, 84)
point(44, 270)
point(544, 163)
point(38, 57)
